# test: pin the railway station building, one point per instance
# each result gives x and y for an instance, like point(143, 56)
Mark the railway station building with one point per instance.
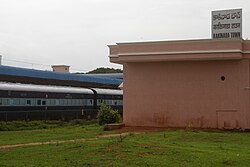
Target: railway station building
point(187, 83)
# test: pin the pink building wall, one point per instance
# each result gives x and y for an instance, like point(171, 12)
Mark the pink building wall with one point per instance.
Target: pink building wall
point(180, 83)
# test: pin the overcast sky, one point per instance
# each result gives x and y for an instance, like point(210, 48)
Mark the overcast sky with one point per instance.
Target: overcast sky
point(76, 32)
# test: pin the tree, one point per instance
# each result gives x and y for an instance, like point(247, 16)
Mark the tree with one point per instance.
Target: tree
point(103, 70)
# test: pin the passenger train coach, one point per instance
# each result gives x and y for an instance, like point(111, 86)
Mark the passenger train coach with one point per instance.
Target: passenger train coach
point(42, 102)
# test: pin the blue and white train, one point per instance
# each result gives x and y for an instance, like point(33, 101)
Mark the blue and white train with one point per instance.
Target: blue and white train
point(33, 102)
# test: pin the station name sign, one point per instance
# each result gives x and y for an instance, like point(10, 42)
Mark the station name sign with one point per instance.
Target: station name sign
point(227, 23)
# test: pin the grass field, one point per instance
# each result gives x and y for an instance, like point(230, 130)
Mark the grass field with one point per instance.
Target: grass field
point(165, 148)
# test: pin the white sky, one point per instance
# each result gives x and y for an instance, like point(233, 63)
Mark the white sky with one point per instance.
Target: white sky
point(76, 32)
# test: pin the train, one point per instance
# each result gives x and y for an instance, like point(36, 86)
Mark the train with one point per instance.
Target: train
point(48, 102)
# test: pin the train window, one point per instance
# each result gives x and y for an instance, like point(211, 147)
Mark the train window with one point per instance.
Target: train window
point(69, 102)
point(44, 102)
point(5, 101)
point(22, 101)
point(16, 101)
point(28, 102)
point(33, 102)
point(38, 102)
point(51, 102)
point(60, 101)
point(84, 102)
point(48, 102)
point(11, 102)
point(73, 102)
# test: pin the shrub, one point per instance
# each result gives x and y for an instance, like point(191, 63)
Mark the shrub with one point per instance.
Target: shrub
point(107, 115)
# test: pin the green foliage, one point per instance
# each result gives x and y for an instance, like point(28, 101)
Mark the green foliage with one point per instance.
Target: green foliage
point(23, 125)
point(103, 70)
point(107, 115)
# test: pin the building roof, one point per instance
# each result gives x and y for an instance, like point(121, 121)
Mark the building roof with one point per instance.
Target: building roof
point(109, 75)
point(183, 50)
point(60, 66)
point(40, 74)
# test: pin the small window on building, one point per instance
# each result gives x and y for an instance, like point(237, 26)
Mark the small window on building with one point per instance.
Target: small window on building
point(223, 78)
point(66, 68)
point(43, 102)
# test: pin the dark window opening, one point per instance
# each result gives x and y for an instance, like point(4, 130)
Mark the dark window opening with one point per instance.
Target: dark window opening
point(38, 102)
point(44, 102)
point(223, 78)
point(28, 102)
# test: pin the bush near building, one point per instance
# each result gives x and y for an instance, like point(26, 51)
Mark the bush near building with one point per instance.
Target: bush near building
point(107, 115)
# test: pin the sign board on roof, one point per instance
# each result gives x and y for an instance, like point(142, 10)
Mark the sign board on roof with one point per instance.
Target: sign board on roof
point(227, 23)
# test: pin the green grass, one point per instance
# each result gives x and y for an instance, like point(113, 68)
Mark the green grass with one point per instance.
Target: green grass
point(23, 125)
point(166, 148)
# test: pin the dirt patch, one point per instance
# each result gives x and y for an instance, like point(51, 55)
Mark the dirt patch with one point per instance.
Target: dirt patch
point(66, 141)
point(44, 143)
point(120, 134)
point(144, 129)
